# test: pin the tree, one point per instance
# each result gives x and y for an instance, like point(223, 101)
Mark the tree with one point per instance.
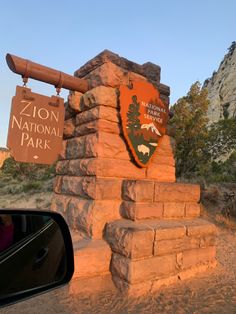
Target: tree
point(133, 114)
point(190, 121)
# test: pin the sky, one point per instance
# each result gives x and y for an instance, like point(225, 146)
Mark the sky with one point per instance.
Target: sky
point(188, 39)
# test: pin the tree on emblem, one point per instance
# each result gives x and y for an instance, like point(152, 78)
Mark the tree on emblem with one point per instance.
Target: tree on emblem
point(133, 122)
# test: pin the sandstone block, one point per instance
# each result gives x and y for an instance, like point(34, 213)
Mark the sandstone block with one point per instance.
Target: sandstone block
point(206, 241)
point(80, 186)
point(59, 203)
point(74, 101)
point(133, 240)
point(100, 95)
point(111, 75)
point(135, 271)
point(69, 113)
point(177, 192)
point(99, 112)
point(86, 128)
point(92, 257)
point(92, 284)
point(166, 146)
point(108, 189)
point(175, 245)
point(104, 212)
point(163, 89)
point(174, 210)
point(90, 217)
point(198, 256)
point(79, 216)
point(163, 160)
point(199, 228)
point(165, 99)
point(62, 154)
point(150, 286)
point(136, 211)
point(182, 275)
point(62, 167)
point(195, 270)
point(69, 128)
point(90, 146)
point(103, 167)
point(138, 191)
point(97, 126)
point(192, 210)
point(167, 229)
point(151, 71)
point(132, 290)
point(112, 146)
point(107, 167)
point(82, 167)
point(100, 144)
point(57, 184)
point(87, 116)
point(75, 148)
point(161, 173)
point(92, 187)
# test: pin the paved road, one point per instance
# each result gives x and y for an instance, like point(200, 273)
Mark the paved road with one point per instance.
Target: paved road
point(212, 292)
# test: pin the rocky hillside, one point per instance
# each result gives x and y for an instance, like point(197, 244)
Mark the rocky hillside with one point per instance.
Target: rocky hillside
point(4, 154)
point(222, 88)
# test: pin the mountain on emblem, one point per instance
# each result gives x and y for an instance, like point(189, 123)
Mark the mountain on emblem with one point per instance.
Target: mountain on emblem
point(152, 127)
point(144, 118)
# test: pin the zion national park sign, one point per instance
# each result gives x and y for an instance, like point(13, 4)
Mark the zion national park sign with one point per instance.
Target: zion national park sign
point(35, 127)
point(144, 118)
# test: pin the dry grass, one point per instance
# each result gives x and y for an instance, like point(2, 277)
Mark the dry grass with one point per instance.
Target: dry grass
point(40, 200)
point(213, 205)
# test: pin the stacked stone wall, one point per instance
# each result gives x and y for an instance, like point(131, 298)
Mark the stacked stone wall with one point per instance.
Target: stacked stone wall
point(145, 225)
point(95, 159)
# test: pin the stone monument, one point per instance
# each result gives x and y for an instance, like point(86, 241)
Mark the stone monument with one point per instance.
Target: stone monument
point(136, 223)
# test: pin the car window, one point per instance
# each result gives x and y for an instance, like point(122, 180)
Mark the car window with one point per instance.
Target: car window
point(17, 228)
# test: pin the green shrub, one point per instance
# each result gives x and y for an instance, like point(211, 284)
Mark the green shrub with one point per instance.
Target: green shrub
point(34, 185)
point(13, 189)
point(190, 121)
point(30, 171)
point(18, 177)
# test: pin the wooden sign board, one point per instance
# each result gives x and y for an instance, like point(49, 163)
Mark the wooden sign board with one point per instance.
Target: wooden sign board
point(144, 118)
point(35, 127)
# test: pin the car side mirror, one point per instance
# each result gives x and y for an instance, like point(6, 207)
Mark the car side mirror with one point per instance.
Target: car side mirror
point(36, 253)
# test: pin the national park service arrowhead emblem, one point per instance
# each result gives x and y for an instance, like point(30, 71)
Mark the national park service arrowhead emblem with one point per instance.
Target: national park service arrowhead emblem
point(144, 118)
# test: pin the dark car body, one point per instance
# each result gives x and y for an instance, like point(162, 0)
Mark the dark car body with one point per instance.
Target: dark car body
point(39, 256)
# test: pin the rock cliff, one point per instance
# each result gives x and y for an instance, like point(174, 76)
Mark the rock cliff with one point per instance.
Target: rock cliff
point(4, 154)
point(222, 88)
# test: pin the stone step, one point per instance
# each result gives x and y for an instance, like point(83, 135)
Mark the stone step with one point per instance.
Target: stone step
point(148, 251)
point(158, 267)
point(154, 284)
point(159, 210)
point(154, 191)
point(91, 285)
point(148, 238)
point(91, 257)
